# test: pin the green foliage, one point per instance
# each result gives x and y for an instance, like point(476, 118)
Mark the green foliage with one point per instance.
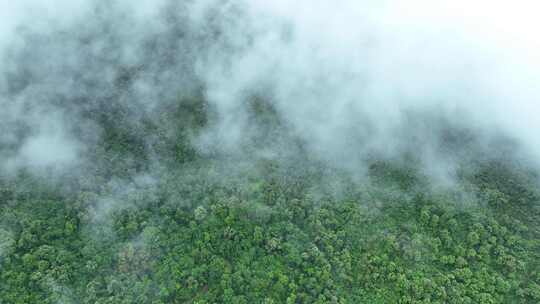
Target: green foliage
point(272, 231)
point(326, 250)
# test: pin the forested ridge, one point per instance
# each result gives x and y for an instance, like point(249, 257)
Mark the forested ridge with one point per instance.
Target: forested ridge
point(211, 230)
point(254, 152)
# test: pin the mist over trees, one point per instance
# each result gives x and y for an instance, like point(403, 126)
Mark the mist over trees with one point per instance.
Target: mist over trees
point(256, 152)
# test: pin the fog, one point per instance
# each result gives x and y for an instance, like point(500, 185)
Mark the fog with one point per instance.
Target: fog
point(351, 80)
point(347, 75)
point(187, 105)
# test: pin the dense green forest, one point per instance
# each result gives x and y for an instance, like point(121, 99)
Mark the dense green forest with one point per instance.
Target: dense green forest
point(133, 172)
point(212, 229)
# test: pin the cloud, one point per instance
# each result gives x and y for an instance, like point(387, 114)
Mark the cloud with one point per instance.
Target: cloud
point(347, 79)
point(345, 75)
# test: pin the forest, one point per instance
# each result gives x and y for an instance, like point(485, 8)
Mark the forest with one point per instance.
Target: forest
point(218, 231)
point(107, 197)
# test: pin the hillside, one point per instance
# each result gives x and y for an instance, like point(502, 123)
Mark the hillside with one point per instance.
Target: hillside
point(262, 151)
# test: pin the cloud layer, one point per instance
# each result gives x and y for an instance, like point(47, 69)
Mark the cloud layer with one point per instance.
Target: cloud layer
point(349, 80)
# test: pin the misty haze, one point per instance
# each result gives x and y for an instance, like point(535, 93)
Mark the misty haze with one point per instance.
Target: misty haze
point(269, 151)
